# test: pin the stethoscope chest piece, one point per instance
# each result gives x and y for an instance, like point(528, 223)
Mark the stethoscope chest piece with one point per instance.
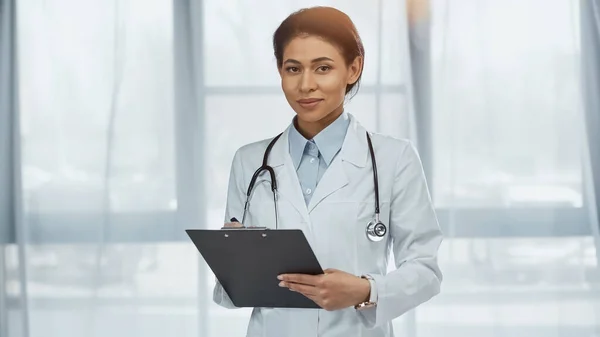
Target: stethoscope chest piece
point(376, 231)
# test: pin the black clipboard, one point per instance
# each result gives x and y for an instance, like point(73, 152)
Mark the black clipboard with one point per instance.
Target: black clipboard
point(247, 262)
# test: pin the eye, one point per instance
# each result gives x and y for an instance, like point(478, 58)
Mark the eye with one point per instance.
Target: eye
point(324, 68)
point(292, 69)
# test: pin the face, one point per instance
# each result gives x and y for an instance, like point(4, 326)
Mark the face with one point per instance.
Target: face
point(314, 76)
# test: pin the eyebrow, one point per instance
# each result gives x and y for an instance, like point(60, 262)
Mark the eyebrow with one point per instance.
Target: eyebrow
point(318, 59)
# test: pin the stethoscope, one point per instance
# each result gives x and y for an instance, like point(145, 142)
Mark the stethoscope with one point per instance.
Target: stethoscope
point(375, 230)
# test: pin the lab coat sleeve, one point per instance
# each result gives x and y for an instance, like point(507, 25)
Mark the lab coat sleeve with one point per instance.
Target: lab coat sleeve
point(416, 238)
point(234, 208)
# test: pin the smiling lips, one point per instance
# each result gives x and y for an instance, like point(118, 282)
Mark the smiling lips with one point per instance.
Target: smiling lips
point(309, 103)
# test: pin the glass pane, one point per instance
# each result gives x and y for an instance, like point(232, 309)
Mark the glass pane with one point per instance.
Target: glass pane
point(507, 120)
point(232, 121)
point(96, 104)
point(109, 290)
point(238, 56)
point(394, 117)
point(524, 287)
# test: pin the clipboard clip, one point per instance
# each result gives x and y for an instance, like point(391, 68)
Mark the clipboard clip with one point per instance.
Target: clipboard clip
point(243, 227)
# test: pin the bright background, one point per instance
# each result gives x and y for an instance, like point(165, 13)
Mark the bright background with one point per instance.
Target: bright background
point(126, 115)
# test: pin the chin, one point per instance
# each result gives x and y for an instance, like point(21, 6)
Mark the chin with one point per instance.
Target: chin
point(310, 116)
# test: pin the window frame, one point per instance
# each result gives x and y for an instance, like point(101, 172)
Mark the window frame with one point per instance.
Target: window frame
point(190, 95)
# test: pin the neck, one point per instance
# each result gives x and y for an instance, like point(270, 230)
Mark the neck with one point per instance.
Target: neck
point(310, 129)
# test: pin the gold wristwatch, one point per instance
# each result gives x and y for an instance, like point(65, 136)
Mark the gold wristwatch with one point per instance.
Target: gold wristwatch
point(369, 303)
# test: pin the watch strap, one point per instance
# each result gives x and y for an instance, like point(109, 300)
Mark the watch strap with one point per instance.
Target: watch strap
point(372, 302)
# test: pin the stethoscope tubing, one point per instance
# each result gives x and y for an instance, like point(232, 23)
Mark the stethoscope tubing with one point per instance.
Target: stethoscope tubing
point(376, 230)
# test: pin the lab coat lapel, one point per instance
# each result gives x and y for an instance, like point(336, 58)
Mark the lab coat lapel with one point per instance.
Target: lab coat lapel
point(354, 152)
point(334, 179)
point(287, 178)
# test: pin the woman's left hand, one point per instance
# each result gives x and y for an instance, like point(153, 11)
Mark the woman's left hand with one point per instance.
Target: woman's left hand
point(331, 291)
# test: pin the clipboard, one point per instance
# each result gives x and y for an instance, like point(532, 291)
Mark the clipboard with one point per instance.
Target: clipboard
point(247, 262)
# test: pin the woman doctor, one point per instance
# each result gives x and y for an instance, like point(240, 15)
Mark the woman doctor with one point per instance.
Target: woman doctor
point(325, 175)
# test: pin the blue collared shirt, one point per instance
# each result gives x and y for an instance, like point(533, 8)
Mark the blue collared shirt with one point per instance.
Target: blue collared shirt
point(312, 157)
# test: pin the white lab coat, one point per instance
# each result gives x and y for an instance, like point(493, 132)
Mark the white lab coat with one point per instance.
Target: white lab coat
point(334, 223)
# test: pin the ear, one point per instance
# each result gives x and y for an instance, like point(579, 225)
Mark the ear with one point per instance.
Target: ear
point(354, 70)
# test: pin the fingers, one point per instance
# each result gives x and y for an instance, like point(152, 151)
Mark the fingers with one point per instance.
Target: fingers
point(315, 299)
point(310, 280)
point(323, 303)
point(233, 224)
point(301, 288)
point(307, 291)
point(309, 286)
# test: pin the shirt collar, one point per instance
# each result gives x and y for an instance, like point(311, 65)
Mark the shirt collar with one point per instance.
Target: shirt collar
point(297, 144)
point(329, 140)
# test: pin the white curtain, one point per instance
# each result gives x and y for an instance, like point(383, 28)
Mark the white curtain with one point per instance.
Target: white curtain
point(590, 68)
point(508, 169)
point(130, 112)
point(102, 241)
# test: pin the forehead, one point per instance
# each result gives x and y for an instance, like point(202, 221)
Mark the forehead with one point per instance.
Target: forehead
point(307, 48)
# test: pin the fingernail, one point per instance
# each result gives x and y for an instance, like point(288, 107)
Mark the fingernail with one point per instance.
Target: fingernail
point(280, 277)
point(281, 284)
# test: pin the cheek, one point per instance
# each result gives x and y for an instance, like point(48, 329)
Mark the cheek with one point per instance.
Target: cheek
point(334, 87)
point(288, 85)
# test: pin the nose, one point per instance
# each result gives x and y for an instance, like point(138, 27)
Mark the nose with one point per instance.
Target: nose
point(308, 82)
